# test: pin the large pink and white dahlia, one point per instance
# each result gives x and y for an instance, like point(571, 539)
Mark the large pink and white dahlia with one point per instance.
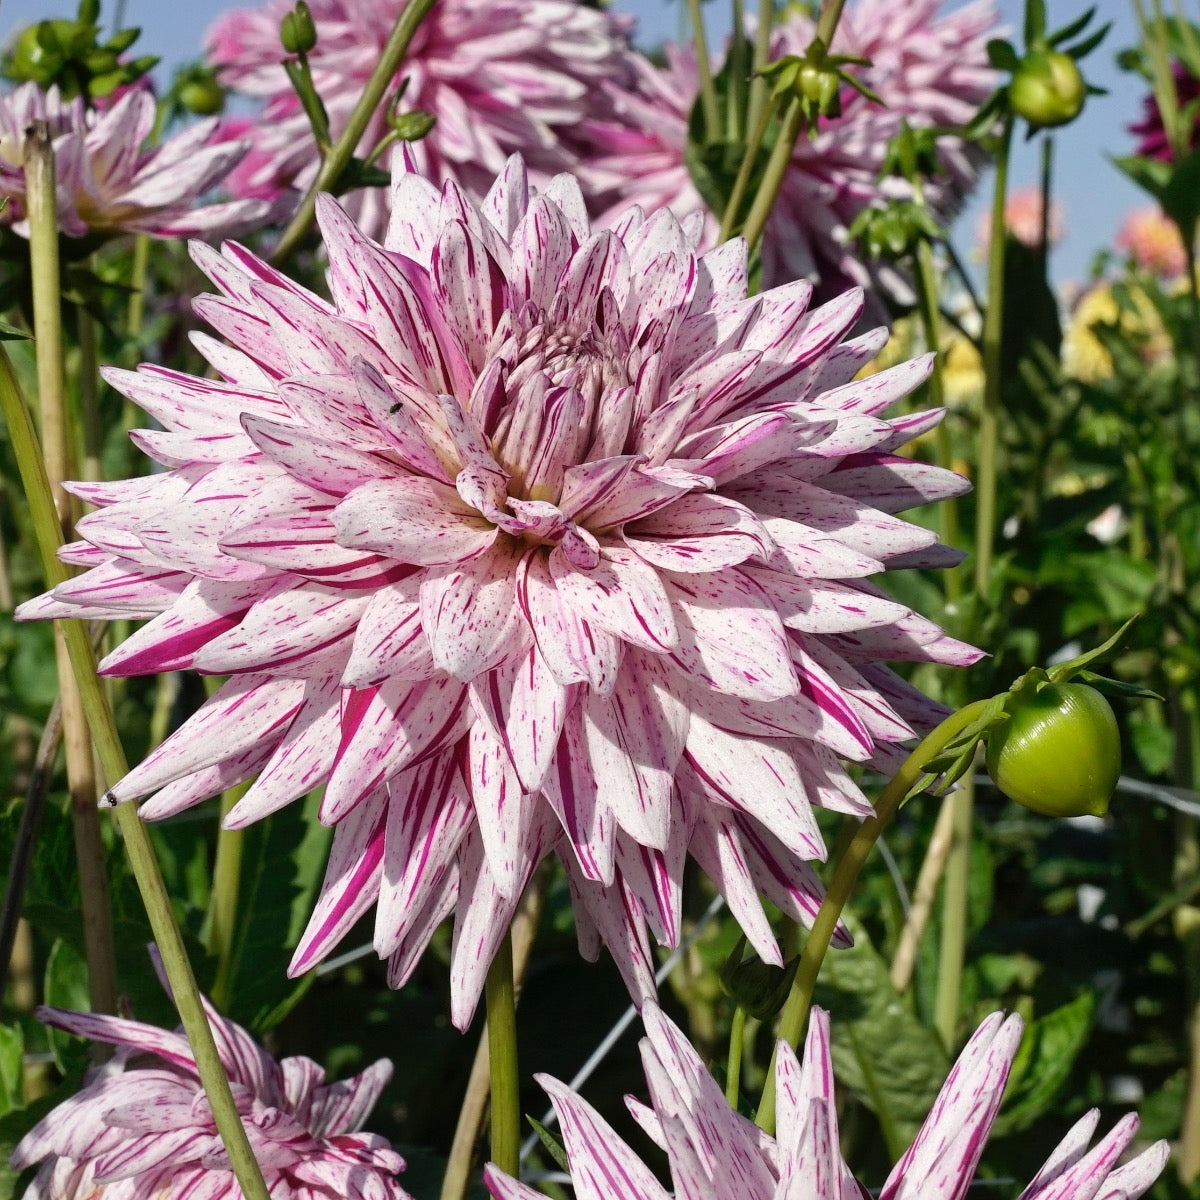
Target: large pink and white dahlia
point(530, 540)
point(716, 1154)
point(141, 1127)
point(107, 182)
point(501, 76)
point(930, 69)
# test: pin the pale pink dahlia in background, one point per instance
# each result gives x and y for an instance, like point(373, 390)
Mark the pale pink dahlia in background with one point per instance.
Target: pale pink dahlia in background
point(1023, 219)
point(108, 182)
point(141, 1128)
point(929, 68)
point(530, 540)
point(501, 76)
point(1153, 241)
point(716, 1154)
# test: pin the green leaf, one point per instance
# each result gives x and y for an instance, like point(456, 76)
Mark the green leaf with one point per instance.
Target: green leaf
point(1001, 55)
point(1149, 174)
point(1044, 1060)
point(553, 1146)
point(66, 987)
point(1084, 48)
point(1068, 31)
point(283, 859)
point(12, 1047)
point(1069, 670)
point(881, 1051)
point(10, 333)
point(1181, 197)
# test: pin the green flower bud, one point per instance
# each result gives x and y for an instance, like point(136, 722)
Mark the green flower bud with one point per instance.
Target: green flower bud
point(412, 126)
point(758, 987)
point(298, 32)
point(1059, 752)
point(1047, 89)
point(204, 97)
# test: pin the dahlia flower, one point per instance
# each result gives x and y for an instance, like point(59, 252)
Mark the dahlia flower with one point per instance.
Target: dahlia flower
point(106, 182)
point(928, 69)
point(500, 78)
point(1153, 141)
point(531, 540)
point(1152, 240)
point(141, 1127)
point(1023, 219)
point(716, 1154)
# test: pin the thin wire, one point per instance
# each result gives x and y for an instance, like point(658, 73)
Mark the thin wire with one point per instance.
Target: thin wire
point(889, 861)
point(550, 1117)
point(1183, 800)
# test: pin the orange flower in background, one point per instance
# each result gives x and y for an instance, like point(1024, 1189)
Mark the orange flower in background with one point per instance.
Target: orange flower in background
point(1023, 219)
point(1153, 241)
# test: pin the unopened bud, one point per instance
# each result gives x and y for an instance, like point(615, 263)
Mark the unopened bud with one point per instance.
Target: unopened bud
point(298, 31)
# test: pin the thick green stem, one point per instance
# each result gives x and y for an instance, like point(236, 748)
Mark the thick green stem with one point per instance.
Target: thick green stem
point(762, 52)
point(1187, 923)
point(338, 158)
point(502, 1056)
point(735, 112)
point(733, 1073)
point(223, 904)
point(96, 908)
point(89, 395)
point(758, 124)
point(708, 91)
point(953, 947)
point(106, 740)
point(989, 417)
point(927, 298)
point(778, 166)
point(845, 876)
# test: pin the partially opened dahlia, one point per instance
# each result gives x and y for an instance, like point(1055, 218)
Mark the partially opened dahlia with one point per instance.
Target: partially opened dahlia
point(501, 76)
point(141, 1127)
point(929, 68)
point(716, 1154)
point(108, 182)
point(530, 540)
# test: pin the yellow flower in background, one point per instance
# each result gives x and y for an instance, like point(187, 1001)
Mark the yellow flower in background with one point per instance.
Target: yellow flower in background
point(1084, 355)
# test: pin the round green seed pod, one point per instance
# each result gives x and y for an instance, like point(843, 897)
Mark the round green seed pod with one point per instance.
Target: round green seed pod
point(1059, 753)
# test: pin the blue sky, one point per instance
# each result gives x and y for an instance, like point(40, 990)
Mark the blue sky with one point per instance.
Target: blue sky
point(1096, 196)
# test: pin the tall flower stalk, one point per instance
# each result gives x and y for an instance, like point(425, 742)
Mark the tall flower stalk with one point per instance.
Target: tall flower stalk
point(96, 907)
point(138, 847)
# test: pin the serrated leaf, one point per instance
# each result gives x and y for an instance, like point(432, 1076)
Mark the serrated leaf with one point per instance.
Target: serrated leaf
point(1043, 1063)
point(881, 1051)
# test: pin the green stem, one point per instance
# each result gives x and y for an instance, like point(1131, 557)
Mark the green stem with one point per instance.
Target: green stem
point(733, 1075)
point(759, 124)
point(343, 149)
point(845, 876)
point(762, 52)
point(927, 299)
point(736, 110)
point(89, 395)
point(827, 22)
point(778, 166)
point(989, 417)
point(96, 908)
point(708, 91)
point(952, 950)
point(138, 274)
point(502, 1056)
point(111, 754)
point(223, 904)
